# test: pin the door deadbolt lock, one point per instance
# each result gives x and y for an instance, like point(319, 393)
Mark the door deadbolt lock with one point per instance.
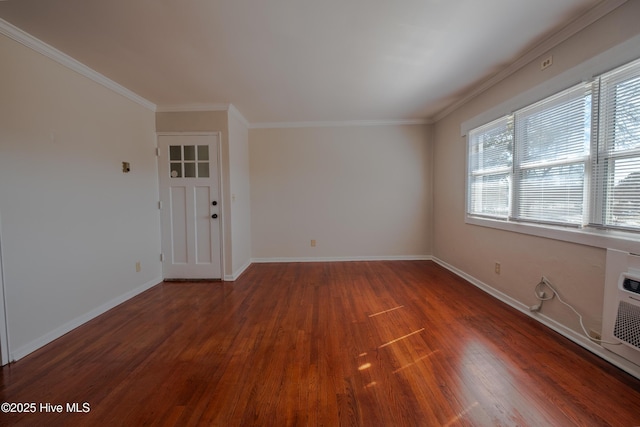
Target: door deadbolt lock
point(214, 203)
point(214, 216)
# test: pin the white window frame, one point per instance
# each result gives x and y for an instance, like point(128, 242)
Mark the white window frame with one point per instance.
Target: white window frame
point(603, 238)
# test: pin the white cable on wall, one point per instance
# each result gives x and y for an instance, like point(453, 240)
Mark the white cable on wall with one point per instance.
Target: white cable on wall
point(541, 295)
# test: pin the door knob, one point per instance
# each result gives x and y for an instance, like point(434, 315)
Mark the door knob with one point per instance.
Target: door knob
point(214, 216)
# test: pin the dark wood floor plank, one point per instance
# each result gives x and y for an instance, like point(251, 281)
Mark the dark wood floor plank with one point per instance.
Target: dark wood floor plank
point(402, 343)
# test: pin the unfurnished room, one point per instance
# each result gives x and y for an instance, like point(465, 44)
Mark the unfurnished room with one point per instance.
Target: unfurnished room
point(320, 213)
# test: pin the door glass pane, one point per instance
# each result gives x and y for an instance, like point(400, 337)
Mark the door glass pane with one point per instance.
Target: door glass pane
point(189, 152)
point(176, 170)
point(175, 152)
point(189, 170)
point(203, 170)
point(203, 152)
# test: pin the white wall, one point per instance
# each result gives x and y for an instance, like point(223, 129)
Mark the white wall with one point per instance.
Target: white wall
point(240, 193)
point(576, 270)
point(360, 192)
point(73, 225)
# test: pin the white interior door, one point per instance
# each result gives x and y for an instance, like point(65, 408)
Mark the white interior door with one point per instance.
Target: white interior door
point(190, 213)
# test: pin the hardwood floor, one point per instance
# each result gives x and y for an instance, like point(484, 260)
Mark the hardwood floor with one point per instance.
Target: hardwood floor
point(403, 343)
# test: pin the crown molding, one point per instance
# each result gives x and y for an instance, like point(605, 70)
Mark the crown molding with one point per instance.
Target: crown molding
point(233, 111)
point(589, 17)
point(50, 52)
point(185, 108)
point(347, 123)
point(188, 108)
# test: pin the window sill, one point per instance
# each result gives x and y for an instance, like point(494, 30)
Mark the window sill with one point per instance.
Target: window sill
point(614, 239)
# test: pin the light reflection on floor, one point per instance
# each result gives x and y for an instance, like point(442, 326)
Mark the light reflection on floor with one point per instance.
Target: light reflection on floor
point(386, 311)
point(401, 338)
point(416, 361)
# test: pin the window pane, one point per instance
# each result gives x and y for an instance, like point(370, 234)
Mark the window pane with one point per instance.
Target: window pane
point(627, 115)
point(557, 128)
point(203, 152)
point(175, 152)
point(189, 170)
point(490, 195)
point(189, 152)
point(176, 170)
point(624, 203)
point(489, 162)
point(491, 146)
point(203, 170)
point(553, 194)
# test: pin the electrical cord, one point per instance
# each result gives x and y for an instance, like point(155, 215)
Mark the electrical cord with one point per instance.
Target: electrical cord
point(542, 297)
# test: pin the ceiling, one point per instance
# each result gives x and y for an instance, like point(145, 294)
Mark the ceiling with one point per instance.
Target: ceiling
point(298, 60)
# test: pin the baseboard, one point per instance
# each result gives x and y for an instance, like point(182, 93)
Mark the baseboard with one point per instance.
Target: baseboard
point(345, 259)
point(570, 334)
point(69, 326)
point(233, 277)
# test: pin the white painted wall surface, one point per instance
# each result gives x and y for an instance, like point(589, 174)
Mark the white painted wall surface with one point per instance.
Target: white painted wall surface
point(359, 191)
point(240, 193)
point(74, 225)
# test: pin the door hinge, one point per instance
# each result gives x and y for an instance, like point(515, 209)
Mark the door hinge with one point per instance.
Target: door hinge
point(160, 205)
point(161, 257)
point(157, 152)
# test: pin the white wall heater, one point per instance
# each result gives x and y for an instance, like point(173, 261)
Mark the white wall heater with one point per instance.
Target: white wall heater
point(621, 309)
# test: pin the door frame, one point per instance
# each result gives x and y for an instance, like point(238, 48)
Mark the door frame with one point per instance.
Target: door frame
point(222, 195)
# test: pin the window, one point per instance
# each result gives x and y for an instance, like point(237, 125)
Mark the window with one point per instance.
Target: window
point(572, 159)
point(551, 158)
point(490, 168)
point(189, 161)
point(617, 160)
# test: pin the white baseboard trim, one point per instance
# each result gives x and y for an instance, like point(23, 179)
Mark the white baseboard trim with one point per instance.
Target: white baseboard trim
point(238, 272)
point(34, 345)
point(570, 334)
point(344, 259)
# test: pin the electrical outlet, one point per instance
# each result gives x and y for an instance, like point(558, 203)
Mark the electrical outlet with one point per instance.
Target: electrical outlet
point(497, 268)
point(313, 243)
point(546, 63)
point(595, 334)
point(138, 267)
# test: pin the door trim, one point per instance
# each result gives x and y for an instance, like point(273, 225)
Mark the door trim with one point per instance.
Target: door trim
point(221, 193)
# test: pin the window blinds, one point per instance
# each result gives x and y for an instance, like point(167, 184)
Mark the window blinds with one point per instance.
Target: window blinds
point(490, 165)
point(617, 162)
point(571, 159)
point(551, 158)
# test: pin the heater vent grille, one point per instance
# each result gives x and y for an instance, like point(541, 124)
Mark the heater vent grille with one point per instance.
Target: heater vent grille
point(627, 327)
